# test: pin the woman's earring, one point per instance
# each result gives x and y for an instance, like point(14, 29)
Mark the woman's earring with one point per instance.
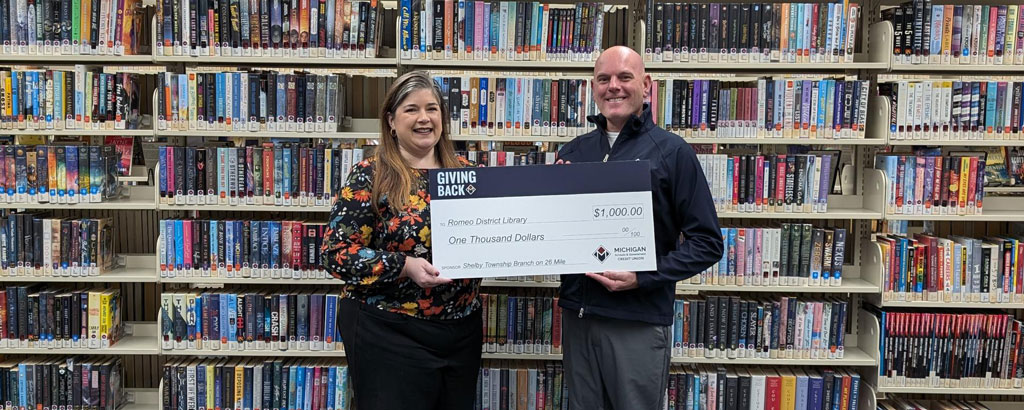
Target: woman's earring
point(393, 133)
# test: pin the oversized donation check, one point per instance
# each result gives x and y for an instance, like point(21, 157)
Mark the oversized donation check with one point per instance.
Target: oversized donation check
point(542, 219)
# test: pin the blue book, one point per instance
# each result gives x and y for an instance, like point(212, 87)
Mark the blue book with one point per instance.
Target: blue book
point(332, 379)
point(71, 165)
point(286, 175)
point(179, 251)
point(236, 98)
point(331, 319)
point(300, 387)
point(837, 391)
point(801, 391)
point(229, 244)
point(198, 333)
point(200, 386)
point(308, 399)
point(247, 398)
point(232, 322)
point(275, 244)
point(225, 322)
point(214, 240)
point(292, 388)
point(815, 388)
point(484, 92)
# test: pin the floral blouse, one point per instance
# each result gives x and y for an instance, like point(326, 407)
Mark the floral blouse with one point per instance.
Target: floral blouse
point(367, 251)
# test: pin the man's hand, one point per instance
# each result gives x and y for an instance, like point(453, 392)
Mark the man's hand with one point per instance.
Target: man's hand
point(615, 281)
point(422, 272)
point(562, 162)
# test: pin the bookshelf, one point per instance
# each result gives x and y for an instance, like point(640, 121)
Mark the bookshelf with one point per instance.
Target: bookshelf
point(861, 208)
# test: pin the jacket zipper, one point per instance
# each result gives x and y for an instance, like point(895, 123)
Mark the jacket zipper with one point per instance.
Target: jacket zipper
point(585, 284)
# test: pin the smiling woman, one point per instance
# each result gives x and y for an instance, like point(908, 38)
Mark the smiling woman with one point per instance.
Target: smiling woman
point(400, 319)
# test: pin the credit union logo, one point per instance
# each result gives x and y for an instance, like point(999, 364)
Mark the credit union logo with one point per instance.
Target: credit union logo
point(601, 253)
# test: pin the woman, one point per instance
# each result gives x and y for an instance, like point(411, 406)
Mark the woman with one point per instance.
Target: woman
point(412, 337)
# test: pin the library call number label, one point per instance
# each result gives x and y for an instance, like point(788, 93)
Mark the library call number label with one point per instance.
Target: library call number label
point(542, 219)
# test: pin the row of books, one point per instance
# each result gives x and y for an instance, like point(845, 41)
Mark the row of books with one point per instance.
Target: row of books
point(515, 323)
point(763, 388)
point(927, 33)
point(246, 383)
point(768, 183)
point(69, 99)
point(751, 32)
point(54, 27)
point(283, 174)
point(899, 403)
point(925, 267)
point(517, 106)
point(500, 30)
point(792, 254)
point(249, 101)
point(955, 350)
point(249, 321)
point(781, 107)
point(932, 184)
point(508, 158)
point(504, 386)
point(41, 245)
point(783, 327)
point(59, 174)
point(62, 382)
point(323, 29)
point(240, 248)
point(944, 109)
point(34, 316)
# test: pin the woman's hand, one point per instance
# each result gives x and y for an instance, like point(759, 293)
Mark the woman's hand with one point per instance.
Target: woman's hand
point(422, 272)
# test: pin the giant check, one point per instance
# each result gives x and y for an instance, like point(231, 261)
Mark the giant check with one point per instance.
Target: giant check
point(542, 219)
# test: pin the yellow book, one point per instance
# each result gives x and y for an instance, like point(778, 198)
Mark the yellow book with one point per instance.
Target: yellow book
point(209, 386)
point(105, 297)
point(94, 319)
point(965, 169)
point(788, 398)
point(239, 385)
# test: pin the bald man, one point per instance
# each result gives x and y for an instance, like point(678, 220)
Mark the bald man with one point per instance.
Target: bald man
point(616, 326)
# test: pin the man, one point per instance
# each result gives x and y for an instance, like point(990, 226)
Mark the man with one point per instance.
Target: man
point(616, 326)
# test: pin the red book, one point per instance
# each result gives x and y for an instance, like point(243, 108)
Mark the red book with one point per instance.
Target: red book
point(773, 391)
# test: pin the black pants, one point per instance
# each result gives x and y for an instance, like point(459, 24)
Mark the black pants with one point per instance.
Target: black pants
point(400, 362)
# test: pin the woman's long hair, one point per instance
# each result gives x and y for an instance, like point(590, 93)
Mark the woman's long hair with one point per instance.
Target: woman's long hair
point(392, 177)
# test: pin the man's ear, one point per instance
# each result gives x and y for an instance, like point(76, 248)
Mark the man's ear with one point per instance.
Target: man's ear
point(648, 83)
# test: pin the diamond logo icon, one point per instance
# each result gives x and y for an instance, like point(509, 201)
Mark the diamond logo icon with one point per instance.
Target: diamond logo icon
point(601, 254)
point(471, 189)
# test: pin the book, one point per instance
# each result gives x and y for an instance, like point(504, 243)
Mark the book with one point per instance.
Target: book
point(60, 318)
point(330, 29)
point(70, 99)
point(950, 109)
point(776, 183)
point(255, 174)
point(768, 328)
point(42, 381)
point(281, 101)
point(240, 249)
point(38, 245)
point(939, 358)
point(932, 185)
point(256, 383)
point(501, 31)
point(751, 33)
point(954, 269)
point(250, 321)
point(791, 254)
point(798, 107)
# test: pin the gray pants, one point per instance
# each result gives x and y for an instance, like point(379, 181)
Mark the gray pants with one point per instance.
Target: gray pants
point(615, 364)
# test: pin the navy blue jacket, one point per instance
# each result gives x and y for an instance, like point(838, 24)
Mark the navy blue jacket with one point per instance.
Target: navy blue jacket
point(682, 205)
